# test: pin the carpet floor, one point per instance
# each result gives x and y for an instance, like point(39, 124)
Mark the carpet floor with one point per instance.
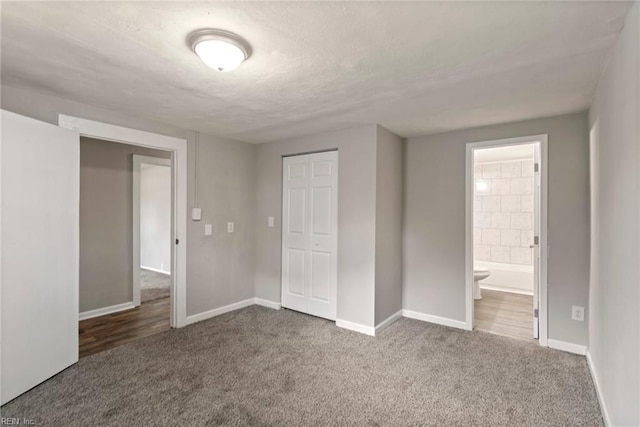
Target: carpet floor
point(154, 285)
point(258, 366)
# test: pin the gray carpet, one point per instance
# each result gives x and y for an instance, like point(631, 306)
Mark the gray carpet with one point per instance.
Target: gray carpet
point(259, 366)
point(154, 285)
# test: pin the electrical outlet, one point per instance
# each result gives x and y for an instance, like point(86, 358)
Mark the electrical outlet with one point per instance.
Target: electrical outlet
point(270, 221)
point(208, 229)
point(577, 313)
point(230, 227)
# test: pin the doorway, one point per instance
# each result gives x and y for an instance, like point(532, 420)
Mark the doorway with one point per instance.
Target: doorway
point(310, 233)
point(151, 228)
point(506, 235)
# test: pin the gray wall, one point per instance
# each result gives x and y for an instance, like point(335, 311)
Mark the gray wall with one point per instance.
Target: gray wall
point(356, 217)
point(106, 221)
point(226, 187)
point(434, 220)
point(388, 297)
point(220, 267)
point(614, 301)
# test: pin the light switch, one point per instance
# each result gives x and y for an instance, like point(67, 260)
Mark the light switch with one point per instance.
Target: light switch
point(208, 230)
point(230, 227)
point(196, 214)
point(270, 221)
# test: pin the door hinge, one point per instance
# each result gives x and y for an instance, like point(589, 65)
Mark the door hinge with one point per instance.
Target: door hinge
point(536, 240)
point(536, 167)
point(535, 313)
point(177, 241)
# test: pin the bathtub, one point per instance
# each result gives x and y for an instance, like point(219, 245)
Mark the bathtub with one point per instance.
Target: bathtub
point(507, 277)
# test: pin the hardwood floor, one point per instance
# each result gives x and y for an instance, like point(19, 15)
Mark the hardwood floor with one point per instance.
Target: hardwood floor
point(504, 313)
point(113, 330)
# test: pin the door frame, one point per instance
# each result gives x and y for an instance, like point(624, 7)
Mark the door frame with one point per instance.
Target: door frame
point(542, 140)
point(178, 147)
point(138, 160)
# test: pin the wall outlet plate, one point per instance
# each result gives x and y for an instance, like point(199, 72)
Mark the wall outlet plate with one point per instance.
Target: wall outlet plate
point(577, 313)
point(230, 227)
point(208, 230)
point(270, 221)
point(196, 214)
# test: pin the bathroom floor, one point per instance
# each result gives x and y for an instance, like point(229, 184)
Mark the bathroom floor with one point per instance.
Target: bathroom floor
point(504, 313)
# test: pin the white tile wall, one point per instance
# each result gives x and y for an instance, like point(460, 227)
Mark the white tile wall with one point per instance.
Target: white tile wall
point(490, 203)
point(503, 212)
point(500, 220)
point(521, 255)
point(521, 221)
point(511, 203)
point(509, 237)
point(527, 203)
point(490, 170)
point(490, 236)
point(501, 254)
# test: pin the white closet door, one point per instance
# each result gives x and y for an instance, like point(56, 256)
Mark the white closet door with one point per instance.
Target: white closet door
point(310, 233)
point(39, 257)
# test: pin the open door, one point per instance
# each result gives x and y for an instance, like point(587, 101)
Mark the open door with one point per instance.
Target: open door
point(535, 247)
point(39, 257)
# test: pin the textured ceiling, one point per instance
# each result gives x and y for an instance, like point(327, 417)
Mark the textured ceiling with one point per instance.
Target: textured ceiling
point(415, 68)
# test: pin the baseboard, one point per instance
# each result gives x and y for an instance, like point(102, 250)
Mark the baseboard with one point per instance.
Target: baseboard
point(106, 310)
point(596, 383)
point(168, 273)
point(505, 289)
point(218, 311)
point(356, 327)
point(267, 303)
point(387, 322)
point(567, 346)
point(444, 321)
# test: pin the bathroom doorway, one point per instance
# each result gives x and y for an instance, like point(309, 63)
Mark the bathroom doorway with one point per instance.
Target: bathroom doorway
point(506, 237)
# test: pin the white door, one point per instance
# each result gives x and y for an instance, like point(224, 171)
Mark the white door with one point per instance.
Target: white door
point(40, 174)
point(535, 247)
point(310, 233)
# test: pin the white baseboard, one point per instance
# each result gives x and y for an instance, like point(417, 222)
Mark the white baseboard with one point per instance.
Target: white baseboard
point(356, 327)
point(218, 311)
point(387, 322)
point(567, 346)
point(445, 321)
point(168, 273)
point(106, 310)
point(267, 303)
point(596, 383)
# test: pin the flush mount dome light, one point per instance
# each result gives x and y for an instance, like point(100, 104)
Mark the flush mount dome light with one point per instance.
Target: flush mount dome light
point(219, 49)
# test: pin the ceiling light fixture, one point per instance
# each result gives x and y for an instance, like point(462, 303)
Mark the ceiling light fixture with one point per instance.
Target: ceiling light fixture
point(219, 49)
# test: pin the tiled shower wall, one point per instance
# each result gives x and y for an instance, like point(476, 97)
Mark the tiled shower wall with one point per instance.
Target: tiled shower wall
point(503, 212)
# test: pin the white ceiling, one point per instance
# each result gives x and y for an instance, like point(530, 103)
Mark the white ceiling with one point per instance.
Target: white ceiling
point(415, 68)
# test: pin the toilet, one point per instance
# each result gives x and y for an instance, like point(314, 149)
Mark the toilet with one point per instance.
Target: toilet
point(478, 275)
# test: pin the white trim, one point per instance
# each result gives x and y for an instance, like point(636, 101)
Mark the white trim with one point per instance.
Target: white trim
point(567, 346)
point(218, 311)
point(266, 303)
point(106, 310)
point(542, 297)
point(137, 161)
point(356, 327)
point(178, 146)
point(596, 383)
point(144, 267)
point(444, 321)
point(387, 322)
